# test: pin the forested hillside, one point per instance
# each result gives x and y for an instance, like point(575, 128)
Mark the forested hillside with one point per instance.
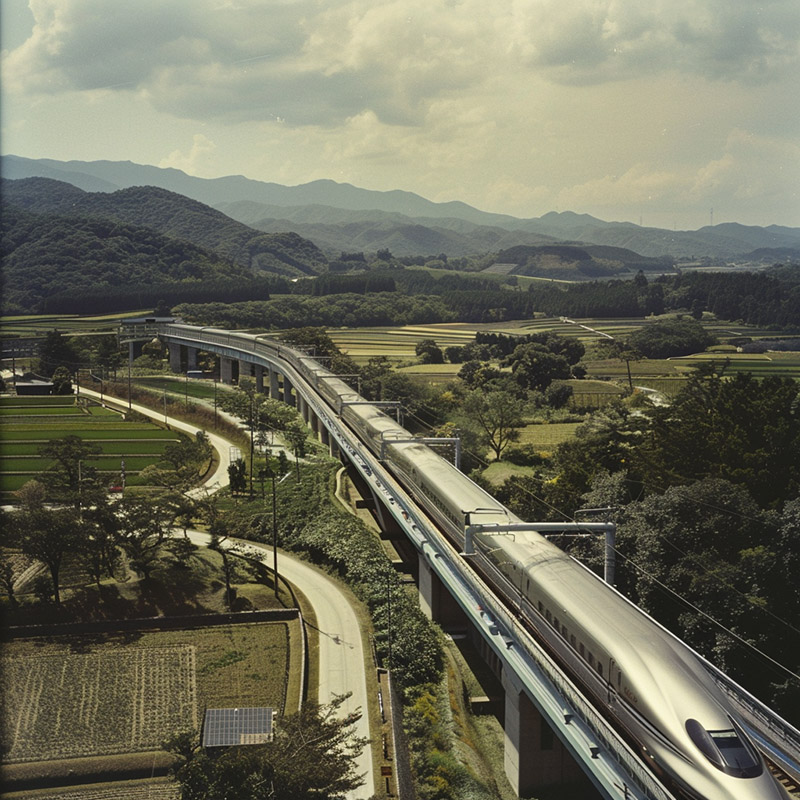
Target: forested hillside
point(45, 256)
point(332, 204)
point(573, 262)
point(175, 216)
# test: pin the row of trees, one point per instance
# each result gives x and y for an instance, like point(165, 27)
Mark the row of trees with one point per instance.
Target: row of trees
point(767, 299)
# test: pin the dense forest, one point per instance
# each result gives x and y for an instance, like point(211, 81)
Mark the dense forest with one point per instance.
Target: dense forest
point(770, 298)
point(63, 248)
point(378, 298)
point(45, 256)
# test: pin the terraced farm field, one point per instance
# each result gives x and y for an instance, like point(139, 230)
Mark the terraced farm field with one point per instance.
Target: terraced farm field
point(361, 344)
point(27, 423)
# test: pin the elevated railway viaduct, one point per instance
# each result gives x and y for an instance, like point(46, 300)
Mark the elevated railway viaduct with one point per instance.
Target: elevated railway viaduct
point(551, 728)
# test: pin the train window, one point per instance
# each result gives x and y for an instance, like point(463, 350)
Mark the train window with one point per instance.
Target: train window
point(572, 641)
point(590, 659)
point(564, 631)
point(541, 607)
point(728, 750)
point(548, 615)
point(619, 679)
point(556, 624)
point(580, 649)
point(600, 669)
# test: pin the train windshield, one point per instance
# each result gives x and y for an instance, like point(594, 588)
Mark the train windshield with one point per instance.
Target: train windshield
point(728, 750)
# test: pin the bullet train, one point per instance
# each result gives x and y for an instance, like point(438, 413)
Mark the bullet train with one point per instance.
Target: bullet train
point(644, 679)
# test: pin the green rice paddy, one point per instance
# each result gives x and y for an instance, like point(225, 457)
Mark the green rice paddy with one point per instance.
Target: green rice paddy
point(27, 423)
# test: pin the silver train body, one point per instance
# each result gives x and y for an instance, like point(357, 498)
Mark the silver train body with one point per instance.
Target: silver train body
point(645, 679)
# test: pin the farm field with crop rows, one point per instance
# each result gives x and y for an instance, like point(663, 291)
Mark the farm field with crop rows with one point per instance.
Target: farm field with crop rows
point(102, 695)
point(30, 422)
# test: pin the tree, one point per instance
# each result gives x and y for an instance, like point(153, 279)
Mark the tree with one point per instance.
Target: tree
point(71, 478)
point(48, 535)
point(429, 352)
point(296, 435)
point(670, 337)
point(237, 476)
point(143, 528)
point(311, 757)
point(456, 354)
point(743, 430)
point(712, 546)
point(607, 442)
point(535, 366)
point(476, 374)
point(62, 381)
point(56, 351)
point(497, 415)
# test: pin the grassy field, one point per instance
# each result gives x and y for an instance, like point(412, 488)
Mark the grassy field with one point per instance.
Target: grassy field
point(547, 437)
point(68, 697)
point(39, 324)
point(362, 344)
point(28, 423)
point(200, 390)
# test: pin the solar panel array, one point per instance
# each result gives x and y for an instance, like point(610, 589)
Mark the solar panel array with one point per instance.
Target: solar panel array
point(225, 727)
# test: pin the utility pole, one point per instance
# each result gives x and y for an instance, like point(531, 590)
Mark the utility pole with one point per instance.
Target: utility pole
point(252, 447)
point(274, 532)
point(388, 620)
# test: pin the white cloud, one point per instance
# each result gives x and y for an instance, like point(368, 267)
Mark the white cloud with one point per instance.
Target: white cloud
point(596, 105)
point(606, 40)
point(320, 64)
point(197, 161)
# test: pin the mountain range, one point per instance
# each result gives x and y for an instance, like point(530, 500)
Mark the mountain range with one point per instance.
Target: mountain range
point(338, 216)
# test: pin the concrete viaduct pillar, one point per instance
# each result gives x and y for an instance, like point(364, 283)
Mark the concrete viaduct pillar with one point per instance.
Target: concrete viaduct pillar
point(274, 388)
point(191, 358)
point(436, 601)
point(245, 370)
point(534, 756)
point(174, 357)
point(259, 378)
point(226, 369)
point(288, 397)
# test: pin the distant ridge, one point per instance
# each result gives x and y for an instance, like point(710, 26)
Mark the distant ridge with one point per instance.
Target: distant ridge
point(422, 226)
point(171, 214)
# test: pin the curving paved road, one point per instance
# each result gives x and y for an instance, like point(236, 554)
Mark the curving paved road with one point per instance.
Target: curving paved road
point(341, 648)
point(213, 482)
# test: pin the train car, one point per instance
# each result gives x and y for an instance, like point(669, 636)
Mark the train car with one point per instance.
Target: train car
point(645, 679)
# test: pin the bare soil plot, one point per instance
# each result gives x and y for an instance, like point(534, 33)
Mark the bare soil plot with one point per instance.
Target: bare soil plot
point(103, 695)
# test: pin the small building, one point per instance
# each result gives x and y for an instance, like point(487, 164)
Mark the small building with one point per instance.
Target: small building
point(34, 388)
point(228, 727)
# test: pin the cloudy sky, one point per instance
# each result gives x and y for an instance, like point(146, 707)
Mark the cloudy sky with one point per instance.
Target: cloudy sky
point(643, 110)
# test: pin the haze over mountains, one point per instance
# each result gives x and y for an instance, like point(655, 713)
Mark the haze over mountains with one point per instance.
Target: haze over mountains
point(338, 217)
